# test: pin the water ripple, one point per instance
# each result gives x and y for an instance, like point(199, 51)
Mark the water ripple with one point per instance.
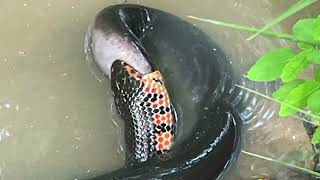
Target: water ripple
point(4, 134)
point(254, 109)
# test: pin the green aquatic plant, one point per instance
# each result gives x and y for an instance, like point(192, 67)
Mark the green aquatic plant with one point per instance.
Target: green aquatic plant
point(296, 94)
point(286, 64)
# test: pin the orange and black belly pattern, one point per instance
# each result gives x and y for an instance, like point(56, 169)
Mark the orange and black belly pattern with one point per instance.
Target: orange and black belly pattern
point(143, 103)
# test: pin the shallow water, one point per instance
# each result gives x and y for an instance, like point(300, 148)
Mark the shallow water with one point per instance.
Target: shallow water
point(56, 116)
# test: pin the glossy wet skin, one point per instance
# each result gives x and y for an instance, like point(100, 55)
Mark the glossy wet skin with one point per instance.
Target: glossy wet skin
point(144, 104)
point(196, 73)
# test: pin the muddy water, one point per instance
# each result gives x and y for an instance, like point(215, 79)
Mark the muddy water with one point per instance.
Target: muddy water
point(56, 118)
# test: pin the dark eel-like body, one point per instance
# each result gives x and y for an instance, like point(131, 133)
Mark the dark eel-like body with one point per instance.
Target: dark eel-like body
point(204, 130)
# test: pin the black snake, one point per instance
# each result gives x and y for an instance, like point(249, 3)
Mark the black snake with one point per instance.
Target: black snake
point(170, 84)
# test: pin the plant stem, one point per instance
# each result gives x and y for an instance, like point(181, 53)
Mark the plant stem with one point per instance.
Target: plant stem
point(292, 10)
point(307, 171)
point(251, 29)
point(305, 120)
point(267, 97)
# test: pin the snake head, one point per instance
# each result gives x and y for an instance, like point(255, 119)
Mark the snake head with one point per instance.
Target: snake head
point(144, 103)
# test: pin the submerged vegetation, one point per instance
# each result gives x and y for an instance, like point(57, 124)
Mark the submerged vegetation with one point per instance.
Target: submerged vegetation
point(286, 63)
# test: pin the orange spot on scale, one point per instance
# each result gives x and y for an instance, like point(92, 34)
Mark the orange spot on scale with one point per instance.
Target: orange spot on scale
point(158, 121)
point(163, 118)
point(153, 90)
point(166, 143)
point(155, 105)
point(167, 102)
point(160, 139)
point(160, 146)
point(168, 121)
point(160, 101)
point(147, 89)
point(167, 135)
point(168, 115)
point(157, 116)
point(132, 72)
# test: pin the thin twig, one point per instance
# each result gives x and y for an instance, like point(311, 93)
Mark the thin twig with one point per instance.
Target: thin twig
point(292, 10)
point(305, 120)
point(252, 29)
point(274, 100)
point(283, 163)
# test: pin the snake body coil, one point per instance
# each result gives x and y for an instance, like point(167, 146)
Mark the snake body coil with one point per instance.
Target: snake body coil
point(204, 139)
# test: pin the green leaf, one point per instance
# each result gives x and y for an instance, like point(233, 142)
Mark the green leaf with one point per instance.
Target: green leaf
point(282, 93)
point(298, 97)
point(305, 46)
point(314, 56)
point(314, 102)
point(303, 29)
point(316, 29)
point(316, 136)
point(294, 67)
point(317, 74)
point(269, 67)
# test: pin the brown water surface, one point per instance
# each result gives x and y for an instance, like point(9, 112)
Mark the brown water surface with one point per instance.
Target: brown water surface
point(56, 117)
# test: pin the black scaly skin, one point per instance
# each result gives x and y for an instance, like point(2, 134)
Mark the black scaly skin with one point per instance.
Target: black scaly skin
point(198, 77)
point(138, 123)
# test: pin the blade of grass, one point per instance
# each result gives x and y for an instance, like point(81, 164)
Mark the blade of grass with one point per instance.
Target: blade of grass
point(250, 29)
point(292, 10)
point(274, 100)
point(305, 120)
point(307, 171)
